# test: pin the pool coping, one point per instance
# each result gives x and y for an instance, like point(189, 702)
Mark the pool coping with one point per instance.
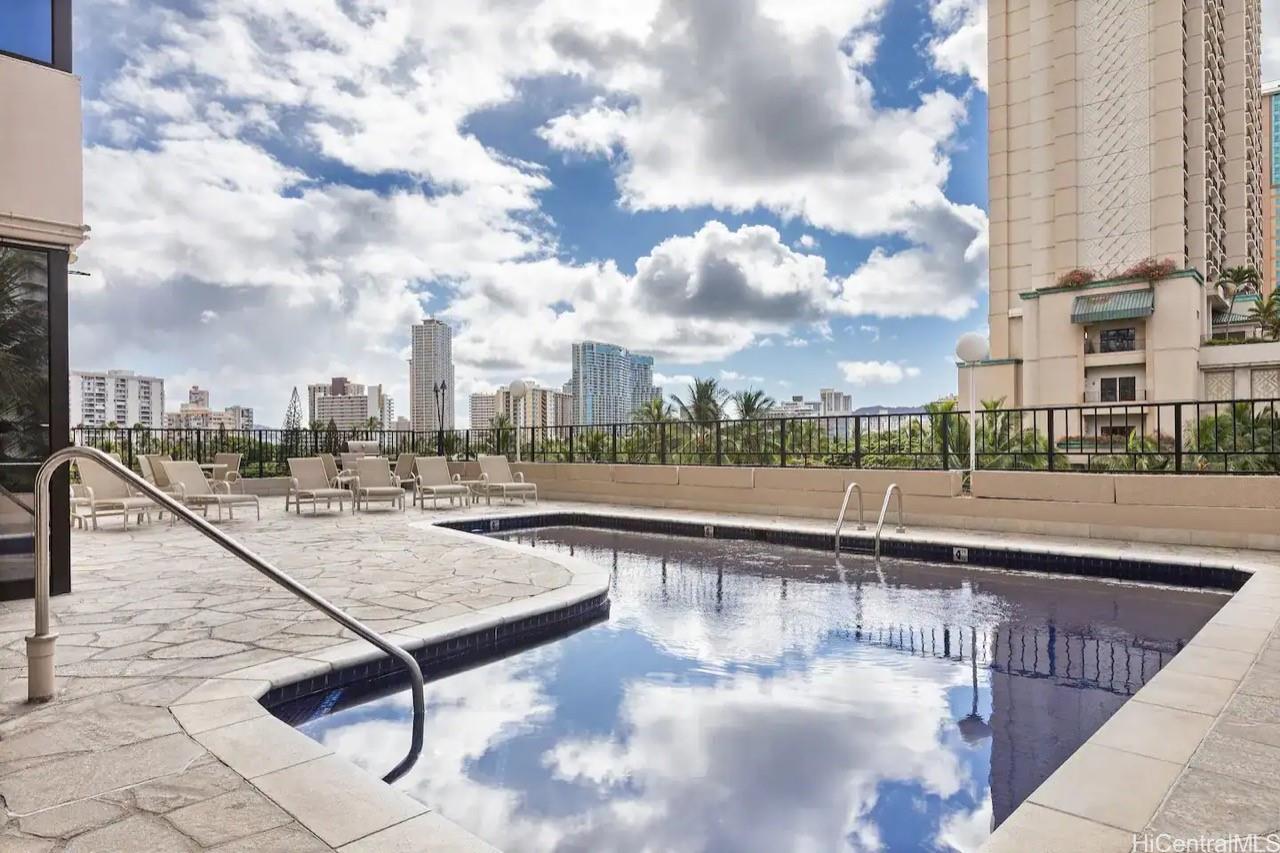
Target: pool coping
point(225, 716)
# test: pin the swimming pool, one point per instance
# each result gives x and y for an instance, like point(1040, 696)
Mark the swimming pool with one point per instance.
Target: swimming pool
point(751, 696)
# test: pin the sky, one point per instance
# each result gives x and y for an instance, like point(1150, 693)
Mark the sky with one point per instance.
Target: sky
point(780, 194)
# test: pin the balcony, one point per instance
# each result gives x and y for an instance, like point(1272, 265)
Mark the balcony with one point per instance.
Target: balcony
point(1139, 395)
point(1098, 346)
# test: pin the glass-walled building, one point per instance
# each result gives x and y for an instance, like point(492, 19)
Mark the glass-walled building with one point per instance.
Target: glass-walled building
point(41, 224)
point(1271, 165)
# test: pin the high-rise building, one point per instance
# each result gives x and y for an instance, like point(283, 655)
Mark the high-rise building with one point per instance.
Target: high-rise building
point(41, 225)
point(356, 408)
point(431, 386)
point(835, 402)
point(197, 414)
point(483, 408)
point(119, 397)
point(1121, 135)
point(1271, 172)
point(609, 383)
point(540, 407)
point(796, 407)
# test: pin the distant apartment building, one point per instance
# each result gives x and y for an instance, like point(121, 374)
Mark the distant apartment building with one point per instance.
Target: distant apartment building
point(796, 407)
point(431, 386)
point(1121, 132)
point(402, 424)
point(349, 405)
point(835, 402)
point(609, 383)
point(119, 397)
point(196, 414)
point(483, 408)
point(540, 407)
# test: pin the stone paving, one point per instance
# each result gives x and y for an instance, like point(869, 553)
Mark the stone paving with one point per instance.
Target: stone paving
point(141, 751)
point(155, 613)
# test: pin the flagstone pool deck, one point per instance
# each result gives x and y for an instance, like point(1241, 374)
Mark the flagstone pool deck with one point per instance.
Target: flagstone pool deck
point(156, 740)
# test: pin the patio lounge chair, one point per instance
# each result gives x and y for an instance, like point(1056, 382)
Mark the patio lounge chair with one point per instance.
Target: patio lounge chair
point(330, 467)
point(435, 482)
point(199, 492)
point(103, 493)
point(349, 461)
point(154, 474)
point(312, 483)
point(231, 476)
point(375, 482)
point(404, 469)
point(496, 479)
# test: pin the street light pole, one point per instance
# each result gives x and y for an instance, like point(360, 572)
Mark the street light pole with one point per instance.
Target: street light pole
point(971, 349)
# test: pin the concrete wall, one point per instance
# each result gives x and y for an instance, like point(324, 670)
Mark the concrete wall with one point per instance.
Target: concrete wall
point(1152, 508)
point(40, 154)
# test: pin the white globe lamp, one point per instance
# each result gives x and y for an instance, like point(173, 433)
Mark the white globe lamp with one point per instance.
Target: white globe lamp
point(971, 349)
point(518, 389)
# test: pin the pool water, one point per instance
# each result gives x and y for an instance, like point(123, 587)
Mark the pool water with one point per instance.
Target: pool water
point(753, 697)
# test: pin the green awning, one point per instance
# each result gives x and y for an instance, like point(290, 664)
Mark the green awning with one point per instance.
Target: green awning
point(1244, 304)
point(1102, 307)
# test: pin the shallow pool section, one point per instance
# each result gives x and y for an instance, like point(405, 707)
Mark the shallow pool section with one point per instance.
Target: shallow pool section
point(753, 697)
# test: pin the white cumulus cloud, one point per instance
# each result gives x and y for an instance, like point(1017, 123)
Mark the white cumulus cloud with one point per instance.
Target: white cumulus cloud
point(877, 372)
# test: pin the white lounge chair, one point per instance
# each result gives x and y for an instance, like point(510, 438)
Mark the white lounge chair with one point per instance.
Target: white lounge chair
point(199, 492)
point(330, 468)
point(231, 475)
point(102, 493)
point(375, 482)
point(404, 469)
point(311, 483)
point(154, 474)
point(434, 481)
point(496, 479)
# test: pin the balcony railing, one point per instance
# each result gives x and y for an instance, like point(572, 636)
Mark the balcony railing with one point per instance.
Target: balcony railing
point(1096, 396)
point(1230, 436)
point(1097, 346)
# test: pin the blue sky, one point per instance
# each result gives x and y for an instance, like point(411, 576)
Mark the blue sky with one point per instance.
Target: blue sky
point(785, 195)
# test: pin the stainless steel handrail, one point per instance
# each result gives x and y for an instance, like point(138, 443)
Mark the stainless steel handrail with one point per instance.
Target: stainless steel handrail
point(40, 671)
point(17, 500)
point(844, 505)
point(884, 509)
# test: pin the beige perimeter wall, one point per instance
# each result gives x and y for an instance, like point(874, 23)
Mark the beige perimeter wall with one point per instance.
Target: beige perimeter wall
point(1191, 509)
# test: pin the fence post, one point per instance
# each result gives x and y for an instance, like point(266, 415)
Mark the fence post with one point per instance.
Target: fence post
point(129, 453)
point(1177, 437)
point(613, 443)
point(261, 453)
point(857, 442)
point(571, 442)
point(466, 445)
point(662, 443)
point(719, 446)
point(440, 441)
point(782, 443)
point(946, 442)
point(1049, 433)
point(199, 445)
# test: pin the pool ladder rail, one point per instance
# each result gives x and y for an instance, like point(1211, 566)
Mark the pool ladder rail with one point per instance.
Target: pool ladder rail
point(884, 510)
point(40, 646)
point(844, 506)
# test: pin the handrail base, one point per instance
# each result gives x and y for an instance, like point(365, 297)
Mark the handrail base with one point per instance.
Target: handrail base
point(40, 677)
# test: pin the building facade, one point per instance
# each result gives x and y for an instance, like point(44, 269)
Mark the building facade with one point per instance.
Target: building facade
point(835, 402)
point(796, 407)
point(431, 386)
point(116, 397)
point(1119, 133)
point(482, 409)
point(41, 226)
point(540, 407)
point(609, 383)
point(197, 414)
point(1271, 187)
point(356, 409)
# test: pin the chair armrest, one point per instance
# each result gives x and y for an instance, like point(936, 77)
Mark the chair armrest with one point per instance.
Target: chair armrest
point(293, 484)
point(519, 476)
point(457, 478)
point(484, 478)
point(233, 476)
point(225, 486)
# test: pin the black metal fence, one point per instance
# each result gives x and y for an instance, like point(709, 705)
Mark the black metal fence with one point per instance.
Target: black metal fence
point(1232, 436)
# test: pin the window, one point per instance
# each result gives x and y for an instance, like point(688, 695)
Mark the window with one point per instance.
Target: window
point(26, 29)
point(1119, 340)
point(1117, 389)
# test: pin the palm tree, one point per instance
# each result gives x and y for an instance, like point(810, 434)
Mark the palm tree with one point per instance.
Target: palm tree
point(644, 444)
point(655, 411)
point(1238, 280)
point(24, 352)
point(751, 404)
point(1266, 313)
point(705, 401)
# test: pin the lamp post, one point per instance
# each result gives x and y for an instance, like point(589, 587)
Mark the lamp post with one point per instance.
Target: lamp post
point(971, 349)
point(439, 388)
point(518, 390)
